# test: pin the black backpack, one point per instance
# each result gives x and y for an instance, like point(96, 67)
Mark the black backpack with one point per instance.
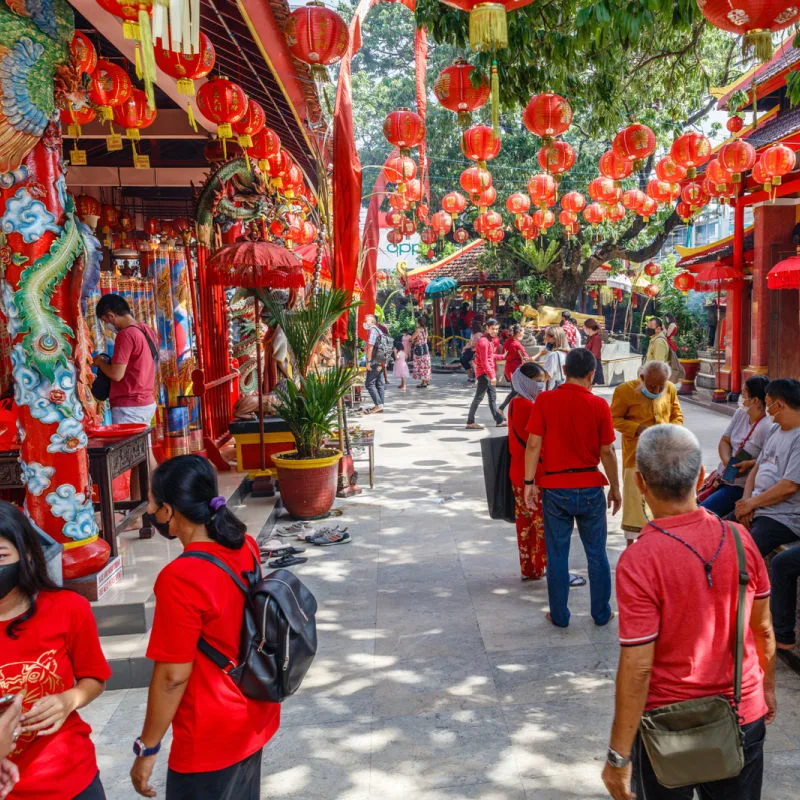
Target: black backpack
point(383, 347)
point(279, 633)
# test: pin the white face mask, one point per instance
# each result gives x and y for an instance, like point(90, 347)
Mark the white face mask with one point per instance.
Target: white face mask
point(741, 402)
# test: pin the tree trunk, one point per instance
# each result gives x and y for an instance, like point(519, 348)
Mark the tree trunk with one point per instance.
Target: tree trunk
point(41, 300)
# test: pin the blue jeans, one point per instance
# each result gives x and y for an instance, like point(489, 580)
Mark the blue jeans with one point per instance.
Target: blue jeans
point(723, 501)
point(562, 509)
point(374, 383)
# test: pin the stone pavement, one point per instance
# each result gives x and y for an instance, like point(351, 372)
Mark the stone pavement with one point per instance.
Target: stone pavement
point(438, 676)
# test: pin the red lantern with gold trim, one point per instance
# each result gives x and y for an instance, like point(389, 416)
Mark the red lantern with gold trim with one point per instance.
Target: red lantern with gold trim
point(134, 114)
point(690, 151)
point(602, 190)
point(543, 218)
point(455, 91)
point(647, 209)
point(556, 158)
point(404, 129)
point(454, 203)
point(399, 169)
point(717, 175)
point(251, 124)
point(542, 189)
point(110, 87)
point(399, 202)
point(518, 203)
point(413, 191)
point(491, 220)
point(395, 218)
point(651, 269)
point(684, 282)
point(278, 166)
point(614, 166)
point(474, 180)
point(87, 206)
point(495, 236)
point(663, 191)
point(428, 236)
point(395, 237)
point(593, 214)
point(692, 194)
point(409, 227)
point(266, 143)
point(734, 124)
point(567, 218)
point(460, 235)
point(223, 102)
point(479, 143)
point(441, 222)
point(486, 198)
point(547, 115)
point(523, 222)
point(777, 161)
point(684, 210)
point(615, 212)
point(83, 53)
point(635, 143)
point(75, 117)
point(633, 199)
point(317, 36)
point(187, 67)
point(651, 290)
point(669, 171)
point(737, 157)
point(573, 201)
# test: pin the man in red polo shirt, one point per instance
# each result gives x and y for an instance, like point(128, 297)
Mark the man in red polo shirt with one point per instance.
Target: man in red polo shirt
point(677, 592)
point(573, 431)
point(486, 374)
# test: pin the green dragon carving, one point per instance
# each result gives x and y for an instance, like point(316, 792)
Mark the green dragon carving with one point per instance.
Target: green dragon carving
point(46, 339)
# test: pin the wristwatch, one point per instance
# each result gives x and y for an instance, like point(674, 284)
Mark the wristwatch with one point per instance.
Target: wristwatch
point(529, 483)
point(616, 760)
point(141, 751)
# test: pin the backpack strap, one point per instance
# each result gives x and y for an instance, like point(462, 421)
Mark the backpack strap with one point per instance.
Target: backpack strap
point(744, 579)
point(153, 348)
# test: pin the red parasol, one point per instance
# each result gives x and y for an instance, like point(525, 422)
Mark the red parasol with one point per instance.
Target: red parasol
point(255, 265)
point(785, 274)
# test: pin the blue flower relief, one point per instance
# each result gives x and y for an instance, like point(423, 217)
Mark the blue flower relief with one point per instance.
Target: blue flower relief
point(25, 379)
point(19, 108)
point(15, 324)
point(18, 175)
point(35, 476)
point(27, 217)
point(69, 438)
point(61, 188)
point(31, 390)
point(75, 509)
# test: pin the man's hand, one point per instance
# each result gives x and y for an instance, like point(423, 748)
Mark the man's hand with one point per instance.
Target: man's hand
point(141, 771)
point(618, 781)
point(614, 500)
point(100, 358)
point(47, 714)
point(9, 775)
point(744, 466)
point(640, 430)
point(744, 508)
point(493, 381)
point(532, 496)
point(9, 723)
point(772, 705)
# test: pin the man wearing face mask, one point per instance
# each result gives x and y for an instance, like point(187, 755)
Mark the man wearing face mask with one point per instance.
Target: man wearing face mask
point(377, 356)
point(658, 349)
point(636, 406)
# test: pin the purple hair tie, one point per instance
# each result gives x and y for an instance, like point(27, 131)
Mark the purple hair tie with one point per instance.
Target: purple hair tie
point(217, 503)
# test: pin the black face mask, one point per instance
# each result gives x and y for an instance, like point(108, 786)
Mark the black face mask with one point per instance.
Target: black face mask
point(161, 527)
point(9, 578)
point(549, 346)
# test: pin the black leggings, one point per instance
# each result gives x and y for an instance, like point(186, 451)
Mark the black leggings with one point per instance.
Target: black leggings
point(240, 781)
point(94, 791)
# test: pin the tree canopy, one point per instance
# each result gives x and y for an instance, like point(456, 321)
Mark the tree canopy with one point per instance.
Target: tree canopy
point(649, 61)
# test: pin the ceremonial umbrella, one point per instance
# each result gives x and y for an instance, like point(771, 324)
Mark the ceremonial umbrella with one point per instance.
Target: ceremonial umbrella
point(256, 265)
point(441, 287)
point(715, 278)
point(785, 274)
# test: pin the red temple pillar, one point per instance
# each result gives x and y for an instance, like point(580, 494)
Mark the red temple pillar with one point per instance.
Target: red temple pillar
point(734, 315)
point(772, 225)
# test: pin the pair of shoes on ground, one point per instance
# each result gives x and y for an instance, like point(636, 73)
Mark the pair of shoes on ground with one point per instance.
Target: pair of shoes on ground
point(326, 537)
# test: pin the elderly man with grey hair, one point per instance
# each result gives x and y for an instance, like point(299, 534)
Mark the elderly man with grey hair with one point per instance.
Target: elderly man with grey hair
point(636, 406)
point(677, 593)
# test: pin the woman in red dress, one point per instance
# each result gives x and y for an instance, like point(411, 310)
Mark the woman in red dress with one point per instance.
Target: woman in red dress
point(515, 355)
point(671, 331)
point(527, 381)
point(50, 655)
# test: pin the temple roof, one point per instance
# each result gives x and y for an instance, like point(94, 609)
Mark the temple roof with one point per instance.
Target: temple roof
point(715, 251)
point(463, 266)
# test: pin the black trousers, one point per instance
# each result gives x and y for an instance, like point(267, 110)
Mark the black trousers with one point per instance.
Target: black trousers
point(509, 397)
point(769, 533)
point(745, 786)
point(94, 791)
point(240, 781)
point(484, 387)
point(785, 570)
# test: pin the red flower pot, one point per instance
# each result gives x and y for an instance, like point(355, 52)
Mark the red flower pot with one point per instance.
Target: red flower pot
point(307, 485)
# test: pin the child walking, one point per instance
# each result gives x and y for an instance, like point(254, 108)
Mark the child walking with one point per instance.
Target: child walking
point(400, 366)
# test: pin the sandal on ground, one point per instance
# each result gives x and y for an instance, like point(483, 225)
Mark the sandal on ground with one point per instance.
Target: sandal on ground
point(474, 426)
point(281, 551)
point(526, 578)
point(576, 580)
point(287, 561)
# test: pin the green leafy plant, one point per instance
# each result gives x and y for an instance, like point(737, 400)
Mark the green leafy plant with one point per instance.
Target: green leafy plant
point(689, 343)
point(308, 404)
point(534, 286)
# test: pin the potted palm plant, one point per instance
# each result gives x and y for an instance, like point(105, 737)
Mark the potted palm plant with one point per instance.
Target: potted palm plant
point(307, 475)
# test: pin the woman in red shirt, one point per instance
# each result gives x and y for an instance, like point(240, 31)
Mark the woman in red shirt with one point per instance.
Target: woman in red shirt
point(217, 732)
point(515, 355)
point(594, 344)
point(527, 381)
point(50, 654)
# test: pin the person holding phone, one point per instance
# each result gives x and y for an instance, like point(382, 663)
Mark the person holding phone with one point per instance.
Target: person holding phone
point(50, 656)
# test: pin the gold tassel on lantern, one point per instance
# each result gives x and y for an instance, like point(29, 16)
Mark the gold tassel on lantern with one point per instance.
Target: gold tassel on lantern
point(495, 100)
point(185, 87)
point(190, 115)
point(758, 43)
point(487, 27)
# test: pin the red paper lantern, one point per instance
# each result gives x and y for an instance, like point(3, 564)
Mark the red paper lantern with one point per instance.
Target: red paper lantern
point(777, 161)
point(543, 218)
point(83, 53)
point(404, 129)
point(395, 218)
point(692, 194)
point(573, 201)
point(651, 290)
point(567, 217)
point(409, 227)
point(77, 116)
point(593, 213)
point(633, 199)
point(460, 235)
point(530, 233)
point(489, 293)
point(755, 20)
point(110, 87)
point(223, 102)
point(614, 167)
point(413, 191)
point(125, 220)
point(495, 236)
point(524, 222)
point(109, 218)
point(690, 151)
point(518, 203)
point(454, 203)
point(422, 212)
point(737, 157)
point(152, 226)
point(491, 220)
point(647, 209)
point(395, 237)
point(602, 190)
point(455, 91)
point(87, 206)
point(266, 143)
point(669, 171)
point(277, 167)
point(399, 169)
point(441, 223)
point(467, 295)
point(663, 191)
point(134, 114)
point(428, 236)
point(542, 189)
point(634, 143)
point(474, 180)
point(486, 198)
point(292, 181)
point(251, 124)
point(547, 115)
point(684, 282)
point(399, 202)
point(615, 212)
point(479, 143)
point(684, 210)
point(734, 124)
point(556, 157)
point(187, 67)
point(716, 174)
point(317, 36)
point(651, 269)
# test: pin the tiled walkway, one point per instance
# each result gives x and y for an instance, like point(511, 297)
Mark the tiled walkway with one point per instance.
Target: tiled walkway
point(438, 676)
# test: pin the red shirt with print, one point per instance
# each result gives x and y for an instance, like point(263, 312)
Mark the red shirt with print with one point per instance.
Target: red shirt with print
point(215, 725)
point(664, 597)
point(574, 424)
point(136, 386)
point(54, 649)
point(515, 355)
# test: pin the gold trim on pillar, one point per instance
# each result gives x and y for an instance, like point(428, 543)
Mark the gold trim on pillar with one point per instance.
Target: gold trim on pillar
point(756, 370)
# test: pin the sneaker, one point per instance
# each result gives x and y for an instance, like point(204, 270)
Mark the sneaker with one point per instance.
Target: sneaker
point(328, 539)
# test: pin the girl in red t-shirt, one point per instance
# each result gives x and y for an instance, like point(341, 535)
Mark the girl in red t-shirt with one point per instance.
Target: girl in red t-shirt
point(217, 732)
point(515, 355)
point(50, 654)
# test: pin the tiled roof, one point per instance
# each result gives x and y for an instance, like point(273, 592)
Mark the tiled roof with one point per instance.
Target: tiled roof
point(717, 252)
point(463, 266)
point(783, 125)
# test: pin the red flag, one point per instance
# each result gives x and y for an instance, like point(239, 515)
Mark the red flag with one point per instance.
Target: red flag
point(421, 70)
